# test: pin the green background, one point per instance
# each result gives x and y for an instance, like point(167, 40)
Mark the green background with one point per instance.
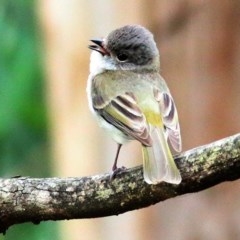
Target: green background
point(24, 140)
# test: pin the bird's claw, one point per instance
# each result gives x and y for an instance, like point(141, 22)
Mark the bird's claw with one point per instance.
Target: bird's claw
point(116, 171)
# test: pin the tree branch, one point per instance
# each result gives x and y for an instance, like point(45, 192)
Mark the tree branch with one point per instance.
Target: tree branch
point(34, 200)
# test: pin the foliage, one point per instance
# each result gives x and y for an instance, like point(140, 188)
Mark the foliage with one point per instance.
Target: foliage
point(23, 122)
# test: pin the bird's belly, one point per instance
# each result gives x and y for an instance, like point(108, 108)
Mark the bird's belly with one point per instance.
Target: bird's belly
point(114, 132)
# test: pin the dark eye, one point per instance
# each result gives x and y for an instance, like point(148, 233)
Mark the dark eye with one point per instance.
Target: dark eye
point(122, 57)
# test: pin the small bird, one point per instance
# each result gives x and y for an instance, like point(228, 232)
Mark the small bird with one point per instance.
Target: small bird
point(131, 100)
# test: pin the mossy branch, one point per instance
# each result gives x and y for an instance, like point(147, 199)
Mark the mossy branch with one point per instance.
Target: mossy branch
point(34, 200)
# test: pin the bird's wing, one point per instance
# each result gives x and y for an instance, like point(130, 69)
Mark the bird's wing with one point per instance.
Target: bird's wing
point(170, 118)
point(124, 113)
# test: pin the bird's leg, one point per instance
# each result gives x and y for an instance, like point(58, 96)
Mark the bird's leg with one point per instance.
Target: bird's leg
point(115, 169)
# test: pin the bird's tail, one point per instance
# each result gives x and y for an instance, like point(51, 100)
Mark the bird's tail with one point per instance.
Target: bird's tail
point(158, 162)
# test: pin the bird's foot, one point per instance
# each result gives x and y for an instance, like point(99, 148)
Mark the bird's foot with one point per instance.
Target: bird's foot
point(116, 171)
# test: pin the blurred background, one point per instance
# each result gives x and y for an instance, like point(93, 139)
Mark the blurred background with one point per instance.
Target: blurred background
point(47, 130)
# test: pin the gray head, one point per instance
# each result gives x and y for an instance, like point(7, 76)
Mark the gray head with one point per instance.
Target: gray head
point(129, 47)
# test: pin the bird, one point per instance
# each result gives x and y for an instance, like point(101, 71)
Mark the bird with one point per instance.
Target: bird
point(131, 100)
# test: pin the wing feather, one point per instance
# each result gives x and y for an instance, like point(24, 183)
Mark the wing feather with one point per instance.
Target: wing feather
point(124, 113)
point(170, 118)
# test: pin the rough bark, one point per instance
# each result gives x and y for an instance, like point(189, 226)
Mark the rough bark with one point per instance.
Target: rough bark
point(24, 199)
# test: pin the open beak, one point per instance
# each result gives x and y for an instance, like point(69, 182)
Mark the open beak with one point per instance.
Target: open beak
point(98, 46)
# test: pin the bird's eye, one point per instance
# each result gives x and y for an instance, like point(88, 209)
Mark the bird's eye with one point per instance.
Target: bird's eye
point(122, 57)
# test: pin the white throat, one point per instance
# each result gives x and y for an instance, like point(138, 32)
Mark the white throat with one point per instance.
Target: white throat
point(99, 64)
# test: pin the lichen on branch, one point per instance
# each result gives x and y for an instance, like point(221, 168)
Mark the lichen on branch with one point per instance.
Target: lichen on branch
point(24, 199)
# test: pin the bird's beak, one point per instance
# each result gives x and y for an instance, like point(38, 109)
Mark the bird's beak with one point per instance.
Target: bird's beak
point(99, 46)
